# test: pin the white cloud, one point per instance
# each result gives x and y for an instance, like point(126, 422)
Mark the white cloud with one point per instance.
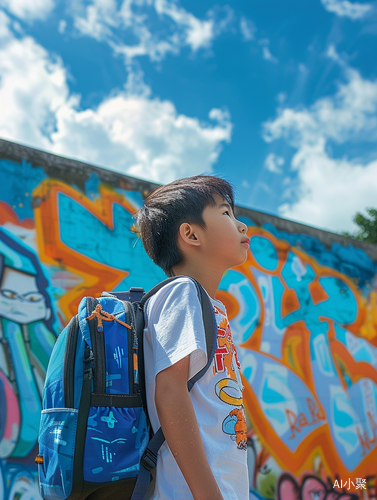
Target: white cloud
point(5, 32)
point(156, 27)
point(129, 131)
point(281, 97)
point(247, 29)
point(143, 137)
point(32, 88)
point(198, 33)
point(273, 163)
point(332, 53)
point(329, 191)
point(264, 186)
point(97, 19)
point(268, 56)
point(148, 44)
point(224, 19)
point(28, 10)
point(266, 53)
point(344, 8)
point(62, 26)
point(349, 113)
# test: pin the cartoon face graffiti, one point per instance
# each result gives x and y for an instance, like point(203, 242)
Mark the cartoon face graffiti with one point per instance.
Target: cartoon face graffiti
point(20, 299)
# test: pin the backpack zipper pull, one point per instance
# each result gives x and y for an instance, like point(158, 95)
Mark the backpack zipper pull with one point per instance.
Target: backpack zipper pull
point(104, 316)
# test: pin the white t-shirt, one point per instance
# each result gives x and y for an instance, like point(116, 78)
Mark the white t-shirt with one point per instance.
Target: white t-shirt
point(174, 329)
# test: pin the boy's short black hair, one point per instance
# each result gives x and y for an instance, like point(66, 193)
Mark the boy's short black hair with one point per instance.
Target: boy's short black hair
point(167, 207)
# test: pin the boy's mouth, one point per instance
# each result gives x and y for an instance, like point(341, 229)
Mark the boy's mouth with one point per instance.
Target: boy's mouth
point(246, 240)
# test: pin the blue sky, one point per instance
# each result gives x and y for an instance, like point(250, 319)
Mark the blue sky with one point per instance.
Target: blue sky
point(280, 98)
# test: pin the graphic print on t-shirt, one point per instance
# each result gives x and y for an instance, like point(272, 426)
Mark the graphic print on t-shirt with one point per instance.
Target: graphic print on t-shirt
point(229, 389)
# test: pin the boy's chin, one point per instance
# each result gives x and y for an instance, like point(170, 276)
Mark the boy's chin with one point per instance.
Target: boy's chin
point(240, 261)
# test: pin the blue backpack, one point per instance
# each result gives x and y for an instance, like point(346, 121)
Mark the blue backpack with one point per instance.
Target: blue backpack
point(95, 439)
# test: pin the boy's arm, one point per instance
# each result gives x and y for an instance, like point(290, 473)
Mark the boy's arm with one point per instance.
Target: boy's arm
point(181, 431)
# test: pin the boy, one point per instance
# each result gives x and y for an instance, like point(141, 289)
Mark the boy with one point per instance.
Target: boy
point(188, 228)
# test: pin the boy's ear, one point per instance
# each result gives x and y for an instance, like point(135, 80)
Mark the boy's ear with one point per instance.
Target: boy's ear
point(188, 235)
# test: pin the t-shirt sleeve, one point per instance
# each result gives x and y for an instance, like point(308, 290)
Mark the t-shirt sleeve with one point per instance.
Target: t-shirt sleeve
point(175, 324)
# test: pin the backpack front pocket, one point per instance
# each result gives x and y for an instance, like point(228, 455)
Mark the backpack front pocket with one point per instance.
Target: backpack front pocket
point(115, 440)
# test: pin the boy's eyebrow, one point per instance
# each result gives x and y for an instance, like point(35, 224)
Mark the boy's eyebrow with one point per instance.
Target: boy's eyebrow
point(224, 205)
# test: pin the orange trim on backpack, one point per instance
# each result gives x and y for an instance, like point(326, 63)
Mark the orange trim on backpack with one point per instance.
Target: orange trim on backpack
point(105, 316)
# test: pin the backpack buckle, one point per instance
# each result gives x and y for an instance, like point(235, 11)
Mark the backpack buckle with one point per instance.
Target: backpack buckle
point(88, 373)
point(149, 459)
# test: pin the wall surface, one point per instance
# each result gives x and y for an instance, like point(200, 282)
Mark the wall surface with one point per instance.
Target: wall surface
point(303, 312)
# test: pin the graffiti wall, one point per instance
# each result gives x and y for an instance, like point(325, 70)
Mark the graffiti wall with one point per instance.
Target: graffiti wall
point(304, 317)
point(306, 325)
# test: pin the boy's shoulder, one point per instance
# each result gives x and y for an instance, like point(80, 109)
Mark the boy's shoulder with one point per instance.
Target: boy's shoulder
point(174, 326)
point(182, 289)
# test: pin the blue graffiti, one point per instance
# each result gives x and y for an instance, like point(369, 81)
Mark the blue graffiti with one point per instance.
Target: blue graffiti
point(119, 248)
point(19, 194)
point(353, 262)
point(264, 251)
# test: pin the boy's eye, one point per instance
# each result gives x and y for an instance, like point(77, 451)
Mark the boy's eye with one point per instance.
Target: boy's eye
point(226, 212)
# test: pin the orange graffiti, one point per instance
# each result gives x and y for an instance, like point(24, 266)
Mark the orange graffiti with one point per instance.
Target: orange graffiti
point(7, 214)
point(95, 275)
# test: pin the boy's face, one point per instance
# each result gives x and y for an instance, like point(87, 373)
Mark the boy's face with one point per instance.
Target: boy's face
point(224, 237)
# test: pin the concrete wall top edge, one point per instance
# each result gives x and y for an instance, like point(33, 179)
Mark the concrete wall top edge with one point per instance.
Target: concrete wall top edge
point(77, 172)
point(325, 237)
point(72, 171)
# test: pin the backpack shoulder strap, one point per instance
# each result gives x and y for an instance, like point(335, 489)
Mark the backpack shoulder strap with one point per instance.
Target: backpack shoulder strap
point(208, 315)
point(149, 458)
point(155, 289)
point(210, 330)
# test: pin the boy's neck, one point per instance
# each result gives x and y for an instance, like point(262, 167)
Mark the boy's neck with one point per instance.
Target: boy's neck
point(207, 277)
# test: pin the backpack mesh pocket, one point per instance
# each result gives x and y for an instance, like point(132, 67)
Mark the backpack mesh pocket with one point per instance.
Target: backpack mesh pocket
point(57, 445)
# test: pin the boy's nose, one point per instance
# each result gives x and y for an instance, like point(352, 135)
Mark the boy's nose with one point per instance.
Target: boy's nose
point(242, 227)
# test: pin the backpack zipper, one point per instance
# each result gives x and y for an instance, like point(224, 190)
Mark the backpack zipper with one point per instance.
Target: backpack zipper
point(133, 374)
point(98, 346)
point(69, 362)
